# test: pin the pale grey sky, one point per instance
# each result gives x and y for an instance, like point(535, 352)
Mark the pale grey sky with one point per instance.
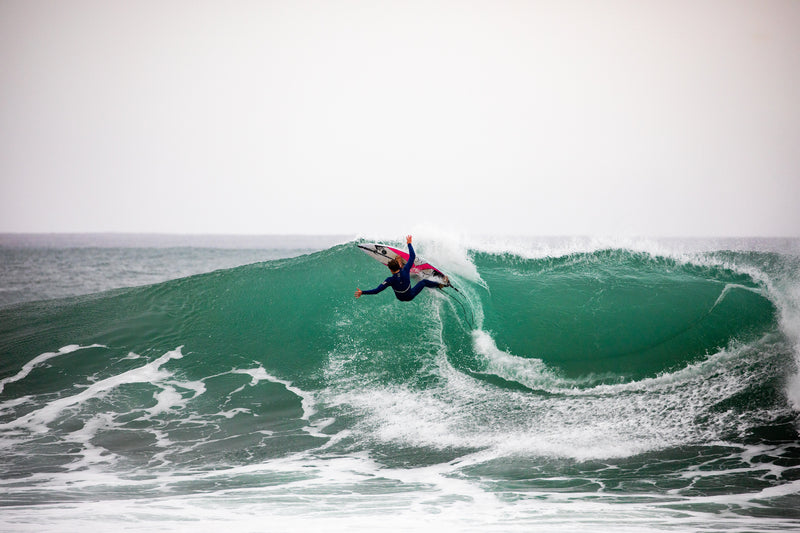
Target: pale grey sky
point(655, 118)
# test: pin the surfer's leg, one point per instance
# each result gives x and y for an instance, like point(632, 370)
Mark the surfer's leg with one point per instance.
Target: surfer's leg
point(416, 289)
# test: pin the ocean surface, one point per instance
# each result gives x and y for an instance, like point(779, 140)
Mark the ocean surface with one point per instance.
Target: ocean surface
point(152, 383)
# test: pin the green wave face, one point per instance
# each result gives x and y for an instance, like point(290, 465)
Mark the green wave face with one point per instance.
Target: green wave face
point(222, 357)
point(613, 314)
point(618, 313)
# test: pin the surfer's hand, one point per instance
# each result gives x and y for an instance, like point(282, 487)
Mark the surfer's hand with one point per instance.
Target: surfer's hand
point(408, 239)
point(358, 293)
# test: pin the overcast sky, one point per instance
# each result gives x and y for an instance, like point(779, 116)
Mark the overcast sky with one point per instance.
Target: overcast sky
point(654, 118)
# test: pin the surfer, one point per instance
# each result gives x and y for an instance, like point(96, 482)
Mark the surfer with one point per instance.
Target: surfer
point(400, 279)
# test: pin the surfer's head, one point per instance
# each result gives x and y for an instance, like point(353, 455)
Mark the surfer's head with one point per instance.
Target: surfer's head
point(393, 265)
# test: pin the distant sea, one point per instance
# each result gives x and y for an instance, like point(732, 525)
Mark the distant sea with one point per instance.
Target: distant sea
point(47, 266)
point(230, 383)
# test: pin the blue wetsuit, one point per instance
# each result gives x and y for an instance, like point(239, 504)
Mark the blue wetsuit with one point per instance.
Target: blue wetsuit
point(401, 281)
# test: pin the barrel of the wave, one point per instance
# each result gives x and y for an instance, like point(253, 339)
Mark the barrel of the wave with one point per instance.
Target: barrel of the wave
point(610, 315)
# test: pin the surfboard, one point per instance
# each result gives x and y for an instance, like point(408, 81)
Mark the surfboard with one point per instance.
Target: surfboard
point(383, 254)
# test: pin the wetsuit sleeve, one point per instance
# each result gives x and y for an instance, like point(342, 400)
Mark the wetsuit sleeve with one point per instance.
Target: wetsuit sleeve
point(411, 257)
point(377, 289)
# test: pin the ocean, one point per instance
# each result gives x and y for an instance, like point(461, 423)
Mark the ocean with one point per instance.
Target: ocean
point(205, 384)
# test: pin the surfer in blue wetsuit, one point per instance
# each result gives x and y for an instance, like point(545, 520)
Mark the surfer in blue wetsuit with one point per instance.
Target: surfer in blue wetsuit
point(400, 280)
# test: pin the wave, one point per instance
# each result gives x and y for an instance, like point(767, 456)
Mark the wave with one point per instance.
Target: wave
point(587, 354)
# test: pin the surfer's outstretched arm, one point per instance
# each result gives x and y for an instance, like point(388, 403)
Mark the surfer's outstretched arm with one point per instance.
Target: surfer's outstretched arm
point(376, 290)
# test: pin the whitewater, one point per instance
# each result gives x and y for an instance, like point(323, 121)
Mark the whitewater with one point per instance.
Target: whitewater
point(572, 384)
